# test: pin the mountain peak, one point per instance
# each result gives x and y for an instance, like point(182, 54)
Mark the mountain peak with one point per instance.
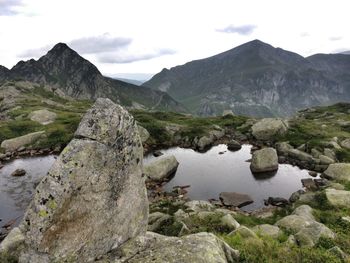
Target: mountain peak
point(60, 48)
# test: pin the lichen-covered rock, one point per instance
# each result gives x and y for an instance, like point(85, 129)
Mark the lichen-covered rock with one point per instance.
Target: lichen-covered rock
point(267, 230)
point(144, 134)
point(161, 169)
point(229, 222)
point(338, 171)
point(310, 234)
point(196, 248)
point(205, 142)
point(338, 198)
point(13, 243)
point(300, 155)
point(268, 128)
point(235, 199)
point(44, 116)
point(199, 205)
point(244, 232)
point(264, 160)
point(13, 144)
point(283, 148)
point(325, 159)
point(345, 144)
point(93, 198)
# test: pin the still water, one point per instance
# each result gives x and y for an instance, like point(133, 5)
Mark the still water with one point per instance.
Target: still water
point(210, 173)
point(16, 192)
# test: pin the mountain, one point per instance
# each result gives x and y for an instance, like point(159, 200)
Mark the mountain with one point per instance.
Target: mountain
point(64, 69)
point(256, 79)
point(345, 52)
point(132, 81)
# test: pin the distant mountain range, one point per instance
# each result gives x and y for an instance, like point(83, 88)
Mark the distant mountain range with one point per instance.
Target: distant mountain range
point(65, 70)
point(257, 79)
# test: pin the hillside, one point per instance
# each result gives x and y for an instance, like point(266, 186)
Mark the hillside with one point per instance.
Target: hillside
point(67, 72)
point(256, 79)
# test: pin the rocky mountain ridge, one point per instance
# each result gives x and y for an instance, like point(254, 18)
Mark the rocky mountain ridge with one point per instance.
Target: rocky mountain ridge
point(257, 79)
point(64, 69)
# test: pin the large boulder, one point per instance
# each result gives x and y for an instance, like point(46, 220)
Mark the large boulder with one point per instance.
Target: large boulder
point(338, 171)
point(264, 160)
point(196, 248)
point(161, 169)
point(266, 129)
point(338, 198)
point(267, 230)
point(205, 142)
point(93, 199)
point(44, 116)
point(300, 155)
point(345, 143)
point(13, 144)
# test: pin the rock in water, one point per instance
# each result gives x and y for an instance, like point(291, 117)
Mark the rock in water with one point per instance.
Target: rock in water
point(93, 198)
point(235, 199)
point(161, 169)
point(264, 160)
point(19, 172)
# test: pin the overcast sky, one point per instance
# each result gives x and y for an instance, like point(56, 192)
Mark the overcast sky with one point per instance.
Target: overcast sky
point(144, 36)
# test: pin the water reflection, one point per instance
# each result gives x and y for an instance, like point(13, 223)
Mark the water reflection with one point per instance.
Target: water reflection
point(211, 173)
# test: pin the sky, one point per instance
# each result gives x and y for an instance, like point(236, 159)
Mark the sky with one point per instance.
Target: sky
point(137, 38)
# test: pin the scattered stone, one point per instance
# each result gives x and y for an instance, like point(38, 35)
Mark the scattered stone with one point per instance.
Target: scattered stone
point(338, 171)
point(325, 159)
point(199, 205)
point(229, 222)
point(196, 248)
point(266, 129)
point(244, 232)
point(329, 153)
point(12, 145)
point(296, 196)
point(277, 201)
point(144, 134)
point(304, 211)
point(227, 113)
point(308, 183)
point(235, 199)
point(346, 144)
point(157, 220)
point(21, 149)
point(302, 147)
point(310, 234)
point(313, 173)
point(321, 182)
point(161, 169)
point(19, 172)
point(93, 198)
point(299, 155)
point(157, 153)
point(44, 116)
point(264, 160)
point(267, 230)
point(204, 143)
point(234, 146)
point(283, 148)
point(294, 223)
point(338, 198)
point(315, 153)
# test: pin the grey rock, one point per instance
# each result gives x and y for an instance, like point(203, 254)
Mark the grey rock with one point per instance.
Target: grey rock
point(315, 153)
point(161, 169)
point(283, 148)
point(13, 243)
point(235, 199)
point(325, 159)
point(93, 198)
point(199, 205)
point(309, 183)
point(244, 232)
point(268, 128)
point(339, 253)
point(310, 234)
point(267, 230)
point(338, 198)
point(296, 196)
point(264, 160)
point(329, 153)
point(227, 113)
point(229, 222)
point(157, 220)
point(43, 116)
point(300, 155)
point(205, 142)
point(345, 143)
point(277, 201)
point(304, 211)
point(196, 248)
point(11, 145)
point(338, 171)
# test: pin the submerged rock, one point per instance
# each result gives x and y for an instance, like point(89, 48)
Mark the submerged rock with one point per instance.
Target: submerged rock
point(196, 248)
point(161, 169)
point(268, 128)
point(235, 199)
point(264, 160)
point(19, 172)
point(93, 198)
